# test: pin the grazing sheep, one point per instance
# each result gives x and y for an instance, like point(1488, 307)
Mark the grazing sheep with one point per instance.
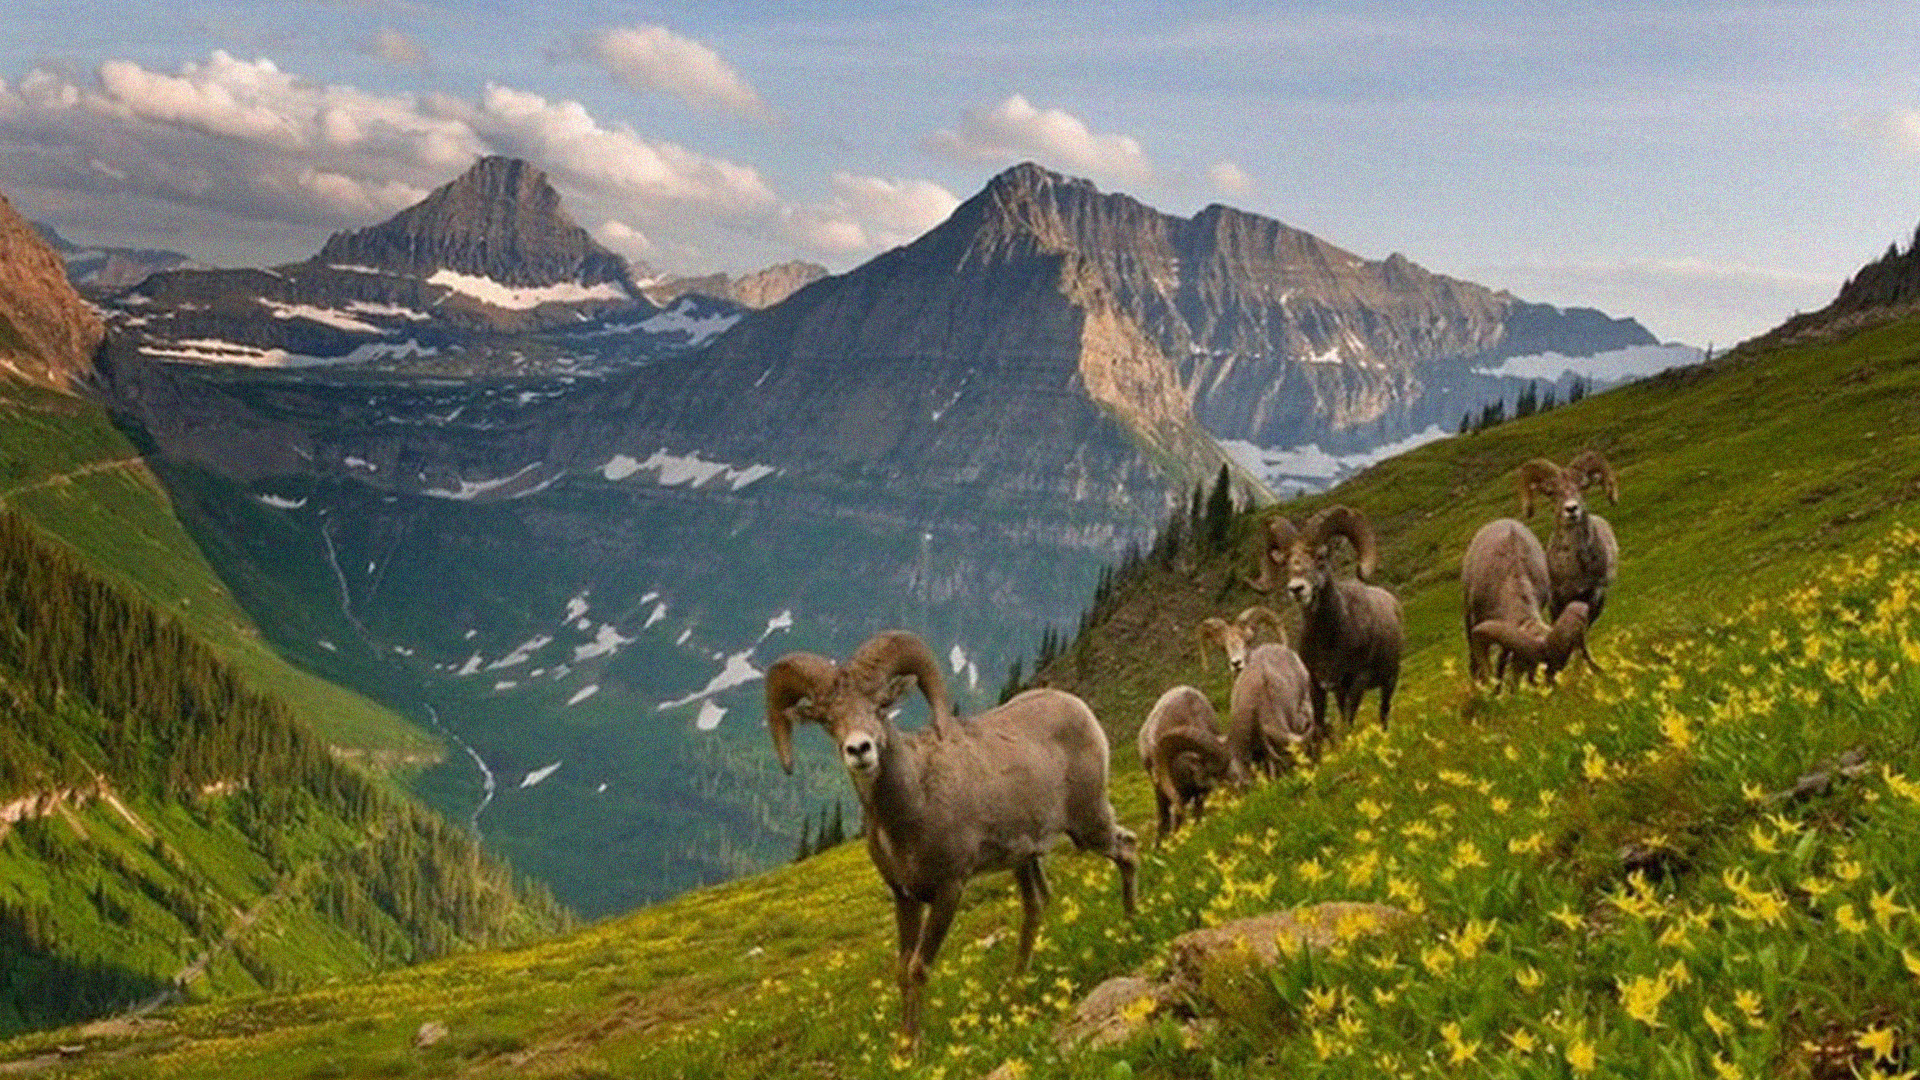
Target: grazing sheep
point(1181, 750)
point(1504, 575)
point(1534, 645)
point(963, 797)
point(1234, 637)
point(1582, 554)
point(1351, 633)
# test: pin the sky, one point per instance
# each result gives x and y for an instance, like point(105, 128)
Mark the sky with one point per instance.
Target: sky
point(1708, 168)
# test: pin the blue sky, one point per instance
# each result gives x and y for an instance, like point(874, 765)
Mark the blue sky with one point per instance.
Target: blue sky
point(1707, 168)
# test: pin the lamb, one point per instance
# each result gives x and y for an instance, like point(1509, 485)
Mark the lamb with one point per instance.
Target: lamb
point(1181, 750)
point(1582, 554)
point(1534, 645)
point(960, 798)
point(1352, 635)
point(1504, 575)
point(1270, 715)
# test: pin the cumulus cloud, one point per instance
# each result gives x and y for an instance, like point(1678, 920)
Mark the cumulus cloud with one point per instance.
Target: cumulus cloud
point(1015, 130)
point(653, 59)
point(1230, 179)
point(623, 238)
point(245, 139)
point(397, 48)
point(867, 212)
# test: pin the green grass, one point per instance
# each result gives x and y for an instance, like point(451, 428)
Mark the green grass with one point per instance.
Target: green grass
point(65, 467)
point(1761, 627)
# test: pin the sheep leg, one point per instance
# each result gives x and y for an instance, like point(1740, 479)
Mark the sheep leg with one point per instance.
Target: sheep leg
point(1033, 900)
point(1164, 807)
point(907, 917)
point(1387, 686)
point(933, 932)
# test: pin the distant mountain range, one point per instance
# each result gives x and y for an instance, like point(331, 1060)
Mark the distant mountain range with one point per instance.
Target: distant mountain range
point(467, 463)
point(102, 271)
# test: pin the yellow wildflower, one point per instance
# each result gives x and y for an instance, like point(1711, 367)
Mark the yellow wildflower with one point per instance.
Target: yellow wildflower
point(1726, 1070)
point(1580, 1055)
point(1311, 871)
point(1879, 1040)
point(1762, 842)
point(1529, 978)
point(1849, 920)
point(1912, 962)
point(1720, 1027)
point(1472, 937)
point(1848, 870)
point(1522, 1040)
point(1568, 917)
point(1884, 908)
point(1463, 1050)
point(1467, 854)
point(1641, 997)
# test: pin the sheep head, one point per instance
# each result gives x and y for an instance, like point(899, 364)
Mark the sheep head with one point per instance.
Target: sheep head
point(1564, 488)
point(1566, 636)
point(853, 701)
point(1310, 558)
point(1280, 535)
point(1236, 637)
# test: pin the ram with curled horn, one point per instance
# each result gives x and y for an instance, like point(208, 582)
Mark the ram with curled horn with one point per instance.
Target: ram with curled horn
point(963, 797)
point(1351, 632)
point(1582, 554)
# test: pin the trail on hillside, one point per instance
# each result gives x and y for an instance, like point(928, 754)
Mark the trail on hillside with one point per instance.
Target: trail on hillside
point(72, 475)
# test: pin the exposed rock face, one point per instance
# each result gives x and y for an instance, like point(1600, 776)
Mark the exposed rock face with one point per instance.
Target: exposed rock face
point(48, 335)
point(500, 220)
point(760, 289)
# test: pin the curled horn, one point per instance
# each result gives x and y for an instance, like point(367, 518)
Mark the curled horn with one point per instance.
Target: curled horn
point(1279, 540)
point(887, 656)
point(1590, 466)
point(1257, 614)
point(1509, 636)
point(1350, 523)
point(794, 678)
point(1211, 632)
point(1538, 475)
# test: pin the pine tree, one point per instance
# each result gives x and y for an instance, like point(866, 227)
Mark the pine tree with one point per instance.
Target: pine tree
point(1220, 509)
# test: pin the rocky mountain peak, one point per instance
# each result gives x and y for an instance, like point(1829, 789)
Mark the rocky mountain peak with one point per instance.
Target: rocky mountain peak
point(47, 333)
point(501, 220)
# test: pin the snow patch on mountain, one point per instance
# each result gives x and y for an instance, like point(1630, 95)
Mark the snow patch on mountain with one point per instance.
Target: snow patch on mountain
point(1636, 362)
point(333, 317)
point(489, 291)
point(280, 502)
point(672, 470)
point(540, 774)
point(737, 670)
point(473, 489)
point(680, 319)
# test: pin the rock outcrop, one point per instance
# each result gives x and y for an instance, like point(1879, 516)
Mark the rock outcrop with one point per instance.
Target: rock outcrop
point(759, 289)
point(48, 335)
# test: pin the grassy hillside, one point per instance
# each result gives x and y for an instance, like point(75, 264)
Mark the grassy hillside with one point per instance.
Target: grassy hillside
point(167, 830)
point(1612, 879)
point(68, 470)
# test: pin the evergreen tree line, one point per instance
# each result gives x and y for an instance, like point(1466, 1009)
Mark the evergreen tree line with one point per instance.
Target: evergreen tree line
point(97, 686)
point(1531, 400)
point(831, 833)
point(1200, 524)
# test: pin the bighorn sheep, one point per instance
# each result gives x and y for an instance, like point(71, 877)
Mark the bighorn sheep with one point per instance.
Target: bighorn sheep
point(1181, 750)
point(994, 792)
point(1504, 574)
point(1582, 554)
point(1270, 714)
point(1351, 636)
point(1535, 644)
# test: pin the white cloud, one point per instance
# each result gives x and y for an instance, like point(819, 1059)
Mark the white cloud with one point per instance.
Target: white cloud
point(249, 142)
point(655, 59)
point(568, 141)
point(898, 210)
point(397, 48)
point(623, 238)
point(1684, 299)
point(1230, 179)
point(1014, 130)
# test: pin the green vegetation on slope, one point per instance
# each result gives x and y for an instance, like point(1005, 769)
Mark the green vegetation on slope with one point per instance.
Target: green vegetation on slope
point(1612, 879)
point(68, 470)
point(157, 807)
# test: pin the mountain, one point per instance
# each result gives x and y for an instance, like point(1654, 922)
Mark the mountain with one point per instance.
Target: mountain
point(759, 289)
point(578, 572)
point(487, 274)
point(500, 220)
point(103, 271)
point(1693, 863)
point(47, 333)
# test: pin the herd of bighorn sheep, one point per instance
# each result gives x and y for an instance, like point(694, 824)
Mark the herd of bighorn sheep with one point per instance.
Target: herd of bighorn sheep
point(996, 791)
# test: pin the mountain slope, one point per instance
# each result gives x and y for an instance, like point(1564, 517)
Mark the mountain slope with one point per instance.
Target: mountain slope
point(47, 333)
point(103, 271)
point(1759, 628)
